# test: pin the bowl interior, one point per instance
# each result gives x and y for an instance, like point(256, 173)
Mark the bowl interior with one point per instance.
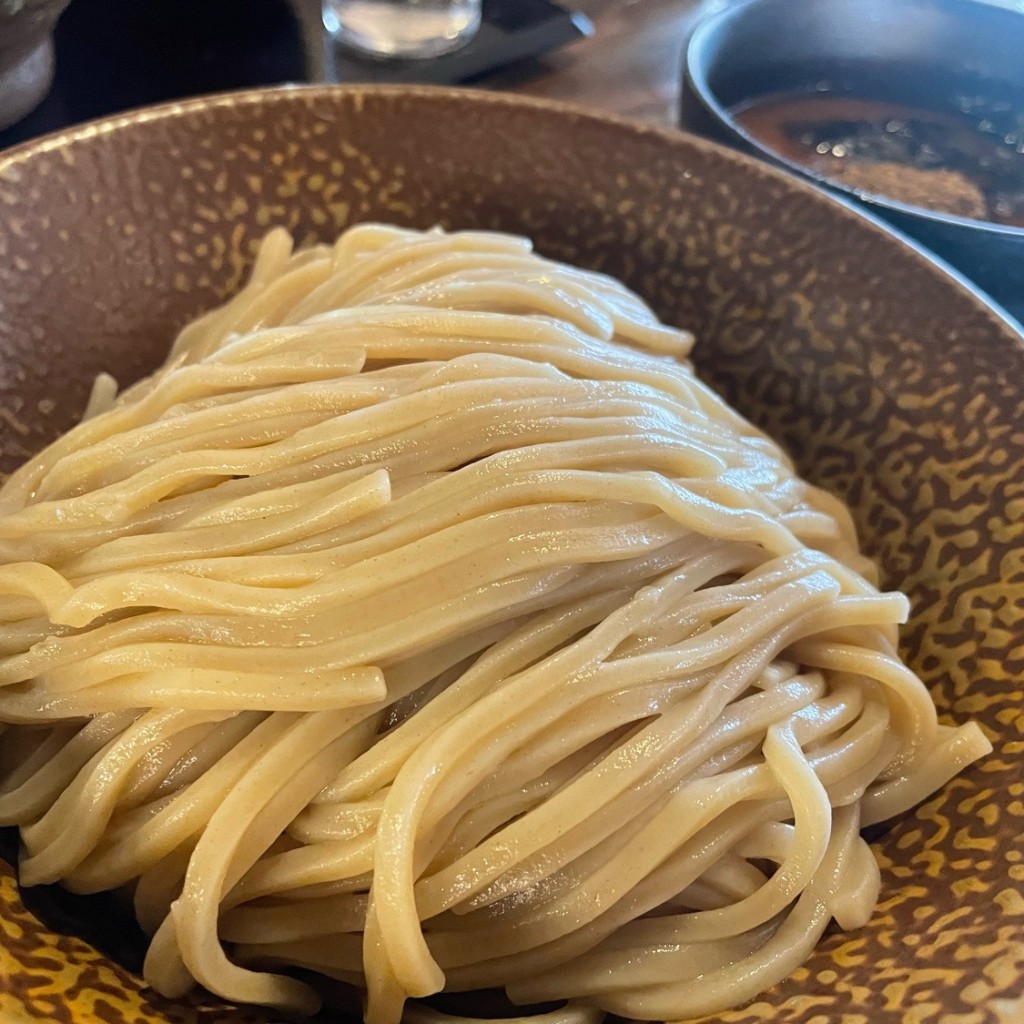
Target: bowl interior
point(918, 51)
point(944, 55)
point(891, 383)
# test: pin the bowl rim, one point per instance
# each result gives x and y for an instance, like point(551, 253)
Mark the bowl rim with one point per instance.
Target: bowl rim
point(13, 158)
point(696, 73)
point(674, 140)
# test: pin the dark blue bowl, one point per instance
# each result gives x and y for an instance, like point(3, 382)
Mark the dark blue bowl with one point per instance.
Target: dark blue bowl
point(913, 51)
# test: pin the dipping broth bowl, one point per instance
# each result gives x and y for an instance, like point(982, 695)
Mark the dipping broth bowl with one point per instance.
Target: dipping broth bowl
point(952, 56)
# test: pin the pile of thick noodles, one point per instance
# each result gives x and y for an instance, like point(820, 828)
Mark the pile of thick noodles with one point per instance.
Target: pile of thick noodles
point(425, 623)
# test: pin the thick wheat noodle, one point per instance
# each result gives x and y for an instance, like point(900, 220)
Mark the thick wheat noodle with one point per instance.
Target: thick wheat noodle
point(424, 622)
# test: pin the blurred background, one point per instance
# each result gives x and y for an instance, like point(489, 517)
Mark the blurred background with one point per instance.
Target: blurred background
point(111, 55)
point(912, 109)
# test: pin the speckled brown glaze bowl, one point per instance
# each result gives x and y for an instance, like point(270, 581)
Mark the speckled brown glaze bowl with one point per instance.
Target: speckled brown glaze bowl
point(891, 382)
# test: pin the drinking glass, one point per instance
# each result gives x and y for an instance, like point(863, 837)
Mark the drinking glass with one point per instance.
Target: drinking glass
point(402, 28)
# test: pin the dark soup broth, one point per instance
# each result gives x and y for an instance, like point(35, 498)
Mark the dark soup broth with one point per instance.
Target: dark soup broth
point(967, 160)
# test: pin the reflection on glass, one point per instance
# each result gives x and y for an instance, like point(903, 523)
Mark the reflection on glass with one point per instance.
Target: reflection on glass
point(402, 28)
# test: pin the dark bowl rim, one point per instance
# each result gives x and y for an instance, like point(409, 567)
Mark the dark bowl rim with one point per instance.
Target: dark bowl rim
point(696, 75)
point(12, 158)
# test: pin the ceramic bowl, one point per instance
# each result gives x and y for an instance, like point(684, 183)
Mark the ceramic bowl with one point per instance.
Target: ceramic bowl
point(923, 53)
point(889, 379)
point(26, 54)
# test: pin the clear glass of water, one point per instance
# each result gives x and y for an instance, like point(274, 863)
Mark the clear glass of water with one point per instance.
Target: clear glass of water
point(402, 28)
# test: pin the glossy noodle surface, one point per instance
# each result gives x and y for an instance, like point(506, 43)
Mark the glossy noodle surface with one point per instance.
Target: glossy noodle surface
point(424, 622)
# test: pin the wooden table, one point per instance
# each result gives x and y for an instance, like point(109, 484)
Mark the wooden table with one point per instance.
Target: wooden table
point(631, 65)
